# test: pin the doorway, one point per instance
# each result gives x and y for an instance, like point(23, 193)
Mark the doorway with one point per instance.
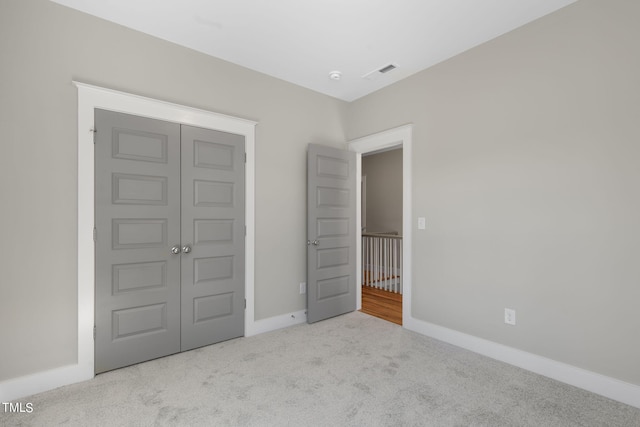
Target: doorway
point(381, 205)
point(400, 137)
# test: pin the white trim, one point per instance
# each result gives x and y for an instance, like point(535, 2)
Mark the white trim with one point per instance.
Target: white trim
point(393, 138)
point(42, 381)
point(359, 231)
point(596, 383)
point(363, 199)
point(89, 98)
point(278, 322)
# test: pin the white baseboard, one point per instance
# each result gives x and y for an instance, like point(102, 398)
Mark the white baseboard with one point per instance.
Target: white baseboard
point(28, 385)
point(596, 383)
point(276, 322)
point(627, 393)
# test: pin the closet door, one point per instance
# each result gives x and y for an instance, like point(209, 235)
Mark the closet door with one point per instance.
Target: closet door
point(137, 217)
point(213, 236)
point(170, 238)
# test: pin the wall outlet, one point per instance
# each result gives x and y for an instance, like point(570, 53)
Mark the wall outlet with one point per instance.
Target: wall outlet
point(509, 316)
point(303, 288)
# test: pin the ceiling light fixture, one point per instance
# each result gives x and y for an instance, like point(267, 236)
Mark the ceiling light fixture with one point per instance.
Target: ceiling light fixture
point(335, 75)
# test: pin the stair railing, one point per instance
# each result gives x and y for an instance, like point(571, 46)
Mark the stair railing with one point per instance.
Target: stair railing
point(382, 261)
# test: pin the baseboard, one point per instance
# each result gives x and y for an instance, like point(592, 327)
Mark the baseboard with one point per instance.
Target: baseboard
point(29, 385)
point(596, 383)
point(276, 322)
point(627, 393)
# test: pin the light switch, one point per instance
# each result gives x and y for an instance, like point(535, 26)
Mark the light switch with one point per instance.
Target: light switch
point(421, 223)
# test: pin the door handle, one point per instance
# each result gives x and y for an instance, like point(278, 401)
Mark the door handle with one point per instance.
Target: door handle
point(186, 249)
point(175, 249)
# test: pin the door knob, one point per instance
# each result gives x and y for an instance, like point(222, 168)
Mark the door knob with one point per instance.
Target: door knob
point(315, 243)
point(186, 249)
point(175, 249)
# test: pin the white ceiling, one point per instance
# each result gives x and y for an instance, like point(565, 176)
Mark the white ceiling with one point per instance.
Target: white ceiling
point(302, 41)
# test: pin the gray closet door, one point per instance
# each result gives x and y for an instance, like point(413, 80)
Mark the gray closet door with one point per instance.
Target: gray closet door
point(137, 217)
point(213, 234)
point(170, 238)
point(331, 232)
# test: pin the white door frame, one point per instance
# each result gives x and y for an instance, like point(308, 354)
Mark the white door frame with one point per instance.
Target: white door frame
point(400, 137)
point(92, 97)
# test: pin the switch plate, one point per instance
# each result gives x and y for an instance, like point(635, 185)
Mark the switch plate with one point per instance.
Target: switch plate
point(509, 316)
point(303, 288)
point(422, 223)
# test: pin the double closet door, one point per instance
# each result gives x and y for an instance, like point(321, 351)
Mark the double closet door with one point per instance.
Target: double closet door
point(170, 238)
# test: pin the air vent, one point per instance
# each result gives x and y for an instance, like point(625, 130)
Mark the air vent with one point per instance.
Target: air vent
point(387, 68)
point(373, 75)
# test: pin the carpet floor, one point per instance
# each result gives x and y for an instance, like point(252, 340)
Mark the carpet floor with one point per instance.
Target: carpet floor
point(352, 370)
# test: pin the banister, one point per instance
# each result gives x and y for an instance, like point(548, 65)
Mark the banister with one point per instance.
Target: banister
point(382, 261)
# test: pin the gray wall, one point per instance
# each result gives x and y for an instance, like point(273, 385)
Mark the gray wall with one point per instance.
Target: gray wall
point(384, 190)
point(43, 46)
point(526, 166)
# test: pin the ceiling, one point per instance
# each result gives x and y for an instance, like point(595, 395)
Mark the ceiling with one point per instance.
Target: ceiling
point(302, 41)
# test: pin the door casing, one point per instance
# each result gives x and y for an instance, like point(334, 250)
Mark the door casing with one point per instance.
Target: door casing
point(91, 97)
point(393, 138)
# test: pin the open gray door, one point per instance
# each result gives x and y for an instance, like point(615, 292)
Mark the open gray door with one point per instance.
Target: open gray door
point(331, 232)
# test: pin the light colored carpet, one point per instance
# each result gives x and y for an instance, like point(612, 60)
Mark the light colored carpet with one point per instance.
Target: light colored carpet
point(350, 370)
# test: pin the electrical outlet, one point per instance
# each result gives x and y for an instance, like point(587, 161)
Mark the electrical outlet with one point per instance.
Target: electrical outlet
point(303, 288)
point(509, 316)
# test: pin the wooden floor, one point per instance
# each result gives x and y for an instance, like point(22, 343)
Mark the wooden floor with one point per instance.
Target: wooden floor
point(383, 304)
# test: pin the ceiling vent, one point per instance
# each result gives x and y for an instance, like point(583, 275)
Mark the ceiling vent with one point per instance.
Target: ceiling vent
point(387, 68)
point(373, 75)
